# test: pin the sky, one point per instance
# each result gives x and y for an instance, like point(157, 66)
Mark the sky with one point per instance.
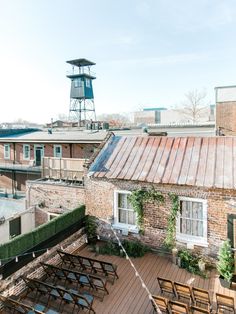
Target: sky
point(148, 53)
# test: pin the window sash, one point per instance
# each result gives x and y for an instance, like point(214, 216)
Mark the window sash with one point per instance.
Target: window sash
point(26, 152)
point(191, 218)
point(7, 151)
point(57, 151)
point(124, 213)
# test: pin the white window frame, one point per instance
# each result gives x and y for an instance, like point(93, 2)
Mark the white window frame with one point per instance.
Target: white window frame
point(52, 214)
point(117, 224)
point(7, 153)
point(54, 153)
point(191, 240)
point(24, 147)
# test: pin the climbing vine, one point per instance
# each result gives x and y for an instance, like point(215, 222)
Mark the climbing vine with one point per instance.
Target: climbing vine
point(171, 224)
point(137, 199)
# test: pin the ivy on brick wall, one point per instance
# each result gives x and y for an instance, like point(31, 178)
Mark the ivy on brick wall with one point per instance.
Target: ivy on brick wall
point(140, 196)
point(171, 224)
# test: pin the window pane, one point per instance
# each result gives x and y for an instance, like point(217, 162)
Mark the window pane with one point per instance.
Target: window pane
point(131, 217)
point(122, 200)
point(191, 218)
point(122, 216)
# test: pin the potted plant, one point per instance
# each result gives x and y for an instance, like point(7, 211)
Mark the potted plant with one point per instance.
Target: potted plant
point(225, 265)
point(91, 229)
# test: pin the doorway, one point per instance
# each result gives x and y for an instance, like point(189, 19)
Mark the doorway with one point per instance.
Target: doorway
point(38, 155)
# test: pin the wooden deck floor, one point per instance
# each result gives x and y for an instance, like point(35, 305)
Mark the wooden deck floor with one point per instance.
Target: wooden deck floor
point(127, 294)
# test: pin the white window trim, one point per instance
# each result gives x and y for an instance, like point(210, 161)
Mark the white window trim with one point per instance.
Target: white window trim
point(189, 239)
point(117, 224)
point(52, 214)
point(54, 151)
point(9, 151)
point(26, 145)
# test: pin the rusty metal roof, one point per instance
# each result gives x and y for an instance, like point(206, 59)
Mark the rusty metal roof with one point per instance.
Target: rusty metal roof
point(194, 161)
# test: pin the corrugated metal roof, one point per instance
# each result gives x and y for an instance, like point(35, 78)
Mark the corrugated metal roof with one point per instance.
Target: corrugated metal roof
point(193, 161)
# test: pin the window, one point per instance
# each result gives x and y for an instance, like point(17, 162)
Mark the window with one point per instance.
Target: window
point(57, 151)
point(15, 227)
point(124, 215)
point(192, 222)
point(7, 151)
point(157, 117)
point(52, 216)
point(26, 152)
point(77, 82)
point(87, 82)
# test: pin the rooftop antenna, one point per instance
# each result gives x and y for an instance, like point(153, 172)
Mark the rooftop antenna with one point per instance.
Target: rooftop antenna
point(82, 107)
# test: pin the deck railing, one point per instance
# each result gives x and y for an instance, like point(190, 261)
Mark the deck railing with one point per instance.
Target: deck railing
point(63, 168)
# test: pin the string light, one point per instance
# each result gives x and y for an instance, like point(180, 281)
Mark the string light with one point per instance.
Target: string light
point(136, 272)
point(33, 254)
point(16, 259)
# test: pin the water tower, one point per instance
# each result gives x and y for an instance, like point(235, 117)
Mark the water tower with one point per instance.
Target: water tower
point(82, 106)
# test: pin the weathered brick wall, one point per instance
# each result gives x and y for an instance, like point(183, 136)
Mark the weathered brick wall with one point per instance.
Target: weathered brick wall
point(14, 284)
point(6, 180)
point(72, 150)
point(99, 202)
point(53, 197)
point(226, 117)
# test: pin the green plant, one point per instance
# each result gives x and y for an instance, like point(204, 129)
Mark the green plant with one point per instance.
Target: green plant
point(190, 261)
point(135, 249)
point(171, 224)
point(225, 265)
point(137, 199)
point(110, 248)
point(90, 227)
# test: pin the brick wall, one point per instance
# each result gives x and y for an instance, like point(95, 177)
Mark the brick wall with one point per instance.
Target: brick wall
point(53, 198)
point(226, 117)
point(99, 202)
point(72, 150)
point(6, 180)
point(14, 285)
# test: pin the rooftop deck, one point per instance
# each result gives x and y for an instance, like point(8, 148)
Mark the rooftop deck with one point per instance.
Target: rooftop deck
point(127, 295)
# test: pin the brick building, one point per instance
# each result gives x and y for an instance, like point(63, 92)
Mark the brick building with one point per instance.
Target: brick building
point(226, 110)
point(199, 170)
point(22, 154)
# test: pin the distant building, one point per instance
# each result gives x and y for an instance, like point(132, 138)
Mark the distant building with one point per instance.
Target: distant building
point(164, 116)
point(226, 110)
point(24, 155)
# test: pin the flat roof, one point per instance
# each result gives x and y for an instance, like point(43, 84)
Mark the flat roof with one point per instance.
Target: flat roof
point(57, 137)
point(10, 207)
point(80, 62)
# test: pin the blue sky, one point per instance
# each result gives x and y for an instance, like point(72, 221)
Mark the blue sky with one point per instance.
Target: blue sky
point(147, 53)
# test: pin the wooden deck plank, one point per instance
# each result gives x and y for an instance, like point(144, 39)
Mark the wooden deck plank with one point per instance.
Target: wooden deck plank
point(127, 296)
